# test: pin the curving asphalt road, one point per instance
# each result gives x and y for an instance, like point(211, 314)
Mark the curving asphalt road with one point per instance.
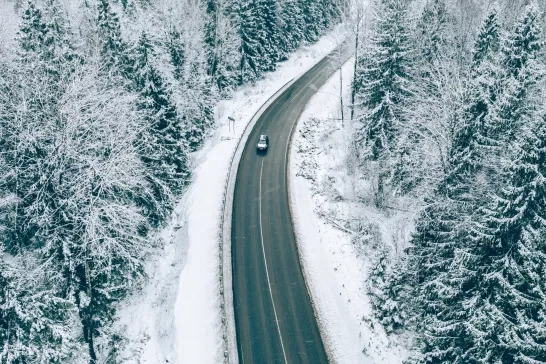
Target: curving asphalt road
point(274, 318)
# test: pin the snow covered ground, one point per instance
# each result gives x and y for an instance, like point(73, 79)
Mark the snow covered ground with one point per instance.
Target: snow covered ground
point(176, 317)
point(339, 234)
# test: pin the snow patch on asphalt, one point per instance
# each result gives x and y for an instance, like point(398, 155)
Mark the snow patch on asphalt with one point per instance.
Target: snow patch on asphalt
point(176, 317)
point(339, 235)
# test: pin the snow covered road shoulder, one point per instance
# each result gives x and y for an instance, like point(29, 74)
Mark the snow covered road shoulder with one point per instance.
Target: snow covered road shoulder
point(327, 212)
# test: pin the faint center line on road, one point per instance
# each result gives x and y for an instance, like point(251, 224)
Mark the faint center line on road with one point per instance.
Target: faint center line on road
point(265, 261)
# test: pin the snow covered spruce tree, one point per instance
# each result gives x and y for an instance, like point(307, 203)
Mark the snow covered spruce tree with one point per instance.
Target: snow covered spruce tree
point(164, 153)
point(504, 267)
point(462, 159)
point(291, 26)
point(488, 40)
point(468, 151)
point(95, 129)
point(254, 59)
point(311, 16)
point(70, 144)
point(178, 54)
point(45, 45)
point(113, 49)
point(269, 27)
point(269, 30)
point(388, 293)
point(520, 50)
point(434, 259)
point(384, 73)
point(318, 15)
point(506, 294)
point(432, 36)
point(74, 175)
point(435, 310)
point(496, 270)
point(30, 91)
point(211, 36)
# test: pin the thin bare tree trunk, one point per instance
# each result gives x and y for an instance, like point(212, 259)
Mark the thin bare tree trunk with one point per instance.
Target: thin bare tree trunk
point(341, 94)
point(353, 88)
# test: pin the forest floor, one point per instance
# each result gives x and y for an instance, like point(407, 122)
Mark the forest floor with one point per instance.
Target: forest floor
point(176, 316)
point(340, 232)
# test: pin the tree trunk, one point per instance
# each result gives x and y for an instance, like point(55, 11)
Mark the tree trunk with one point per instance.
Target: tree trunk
point(87, 325)
point(89, 339)
point(353, 88)
point(341, 94)
point(86, 318)
point(379, 198)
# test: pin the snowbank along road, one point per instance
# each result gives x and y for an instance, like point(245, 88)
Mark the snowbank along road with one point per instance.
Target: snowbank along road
point(274, 318)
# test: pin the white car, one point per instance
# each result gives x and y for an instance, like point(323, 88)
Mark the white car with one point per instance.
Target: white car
point(263, 143)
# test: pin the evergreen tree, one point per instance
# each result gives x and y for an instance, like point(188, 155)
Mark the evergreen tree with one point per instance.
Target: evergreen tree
point(45, 43)
point(387, 293)
point(438, 312)
point(524, 43)
point(211, 36)
point(45, 62)
point(384, 77)
point(430, 42)
point(520, 71)
point(291, 27)
point(164, 155)
point(112, 47)
point(460, 323)
point(32, 33)
point(311, 17)
point(442, 232)
point(330, 14)
point(61, 50)
point(177, 51)
point(467, 153)
point(253, 54)
point(508, 285)
point(432, 28)
point(197, 110)
point(488, 41)
point(94, 150)
point(268, 27)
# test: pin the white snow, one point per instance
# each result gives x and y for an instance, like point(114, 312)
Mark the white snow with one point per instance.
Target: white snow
point(328, 205)
point(176, 317)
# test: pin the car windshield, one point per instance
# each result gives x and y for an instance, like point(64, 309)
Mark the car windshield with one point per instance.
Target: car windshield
point(262, 138)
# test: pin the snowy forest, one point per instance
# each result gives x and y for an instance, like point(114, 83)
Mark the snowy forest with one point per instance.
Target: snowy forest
point(101, 105)
point(449, 109)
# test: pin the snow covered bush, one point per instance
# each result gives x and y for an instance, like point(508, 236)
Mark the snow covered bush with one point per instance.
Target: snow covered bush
point(388, 294)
